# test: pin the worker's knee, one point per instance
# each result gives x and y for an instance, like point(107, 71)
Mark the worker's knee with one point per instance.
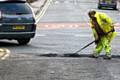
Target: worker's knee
point(108, 49)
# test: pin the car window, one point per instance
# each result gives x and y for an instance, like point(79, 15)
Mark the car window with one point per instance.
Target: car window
point(15, 8)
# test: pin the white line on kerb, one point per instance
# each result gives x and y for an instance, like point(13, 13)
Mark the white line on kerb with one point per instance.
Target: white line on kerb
point(41, 13)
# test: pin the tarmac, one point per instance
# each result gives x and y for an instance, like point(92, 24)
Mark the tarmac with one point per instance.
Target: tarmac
point(29, 67)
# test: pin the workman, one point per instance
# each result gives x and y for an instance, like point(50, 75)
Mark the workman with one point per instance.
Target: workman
point(103, 31)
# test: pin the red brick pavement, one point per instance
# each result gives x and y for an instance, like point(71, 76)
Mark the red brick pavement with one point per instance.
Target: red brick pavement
point(66, 25)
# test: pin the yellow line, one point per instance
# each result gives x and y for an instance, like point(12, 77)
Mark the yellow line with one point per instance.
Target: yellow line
point(4, 53)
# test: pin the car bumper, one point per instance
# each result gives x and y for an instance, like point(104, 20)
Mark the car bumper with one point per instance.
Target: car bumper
point(108, 5)
point(16, 35)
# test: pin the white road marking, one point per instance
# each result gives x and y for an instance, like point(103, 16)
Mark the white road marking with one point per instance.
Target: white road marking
point(41, 35)
point(42, 12)
point(75, 35)
point(66, 1)
point(56, 2)
point(83, 35)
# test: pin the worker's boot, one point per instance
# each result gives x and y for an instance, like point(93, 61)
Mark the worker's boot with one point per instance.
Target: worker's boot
point(108, 56)
point(95, 55)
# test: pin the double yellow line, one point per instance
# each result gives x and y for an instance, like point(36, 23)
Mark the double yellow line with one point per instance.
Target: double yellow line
point(4, 53)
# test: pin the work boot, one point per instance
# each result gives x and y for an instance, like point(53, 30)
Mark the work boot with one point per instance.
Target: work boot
point(108, 57)
point(95, 55)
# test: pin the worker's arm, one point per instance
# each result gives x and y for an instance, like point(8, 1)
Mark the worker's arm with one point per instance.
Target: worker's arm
point(97, 38)
point(94, 31)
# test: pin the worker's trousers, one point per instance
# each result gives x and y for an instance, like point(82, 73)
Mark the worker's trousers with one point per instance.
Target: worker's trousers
point(104, 43)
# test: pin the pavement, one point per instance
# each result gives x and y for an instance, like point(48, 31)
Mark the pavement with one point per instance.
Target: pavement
point(39, 8)
point(35, 5)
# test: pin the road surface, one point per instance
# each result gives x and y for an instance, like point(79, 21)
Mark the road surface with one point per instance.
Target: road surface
point(63, 29)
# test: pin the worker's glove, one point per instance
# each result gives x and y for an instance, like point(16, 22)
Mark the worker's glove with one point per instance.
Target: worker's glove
point(110, 31)
point(112, 25)
point(97, 40)
point(113, 30)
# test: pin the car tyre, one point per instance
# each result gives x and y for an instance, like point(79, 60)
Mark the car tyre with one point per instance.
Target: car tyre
point(115, 7)
point(99, 6)
point(23, 41)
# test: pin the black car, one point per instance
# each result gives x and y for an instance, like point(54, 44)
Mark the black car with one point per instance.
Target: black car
point(17, 21)
point(107, 4)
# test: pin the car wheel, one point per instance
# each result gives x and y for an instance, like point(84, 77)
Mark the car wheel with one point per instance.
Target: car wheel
point(115, 7)
point(99, 6)
point(23, 41)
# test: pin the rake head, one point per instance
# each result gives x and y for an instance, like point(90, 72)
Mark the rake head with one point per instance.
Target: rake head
point(71, 55)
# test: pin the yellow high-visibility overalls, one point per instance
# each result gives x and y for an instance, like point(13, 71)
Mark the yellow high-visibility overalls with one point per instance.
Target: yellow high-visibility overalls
point(105, 23)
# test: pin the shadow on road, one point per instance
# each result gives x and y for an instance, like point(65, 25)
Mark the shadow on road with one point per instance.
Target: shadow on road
point(8, 44)
point(3, 43)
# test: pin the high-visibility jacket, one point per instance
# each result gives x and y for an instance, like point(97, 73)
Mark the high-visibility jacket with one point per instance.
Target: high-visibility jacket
point(105, 23)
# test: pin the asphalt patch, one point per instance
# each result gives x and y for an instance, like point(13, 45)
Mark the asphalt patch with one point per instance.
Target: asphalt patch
point(73, 55)
point(64, 55)
point(49, 55)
